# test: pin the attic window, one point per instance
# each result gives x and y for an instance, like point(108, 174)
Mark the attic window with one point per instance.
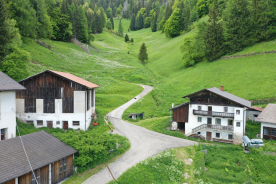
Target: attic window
point(199, 100)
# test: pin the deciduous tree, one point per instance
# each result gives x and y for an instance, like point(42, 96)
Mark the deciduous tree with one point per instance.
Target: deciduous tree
point(172, 27)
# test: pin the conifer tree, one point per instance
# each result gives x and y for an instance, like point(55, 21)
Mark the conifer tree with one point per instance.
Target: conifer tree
point(81, 26)
point(214, 35)
point(143, 55)
point(65, 7)
point(25, 16)
point(132, 23)
point(4, 35)
point(121, 29)
point(89, 16)
point(131, 40)
point(126, 38)
point(181, 19)
point(112, 21)
point(45, 29)
point(187, 19)
point(153, 23)
point(168, 12)
point(172, 27)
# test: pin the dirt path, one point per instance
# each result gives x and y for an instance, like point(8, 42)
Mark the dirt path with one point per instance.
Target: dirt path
point(144, 143)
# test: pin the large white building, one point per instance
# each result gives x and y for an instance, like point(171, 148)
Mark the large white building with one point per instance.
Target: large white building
point(56, 99)
point(214, 114)
point(8, 86)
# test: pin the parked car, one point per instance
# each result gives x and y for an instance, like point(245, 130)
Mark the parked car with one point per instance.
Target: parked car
point(256, 143)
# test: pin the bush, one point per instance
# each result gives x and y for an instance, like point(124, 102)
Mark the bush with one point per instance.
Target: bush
point(252, 128)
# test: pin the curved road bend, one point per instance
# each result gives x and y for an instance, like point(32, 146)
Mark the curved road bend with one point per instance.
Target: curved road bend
point(144, 143)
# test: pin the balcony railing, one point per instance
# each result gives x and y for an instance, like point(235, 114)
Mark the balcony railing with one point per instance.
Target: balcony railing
point(212, 113)
point(213, 127)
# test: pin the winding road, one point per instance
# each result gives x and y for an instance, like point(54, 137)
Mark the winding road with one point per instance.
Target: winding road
point(144, 143)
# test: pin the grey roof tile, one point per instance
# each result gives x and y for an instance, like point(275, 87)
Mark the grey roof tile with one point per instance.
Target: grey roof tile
point(8, 84)
point(42, 149)
point(268, 115)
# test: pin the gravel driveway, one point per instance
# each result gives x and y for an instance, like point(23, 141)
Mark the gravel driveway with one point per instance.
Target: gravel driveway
point(144, 143)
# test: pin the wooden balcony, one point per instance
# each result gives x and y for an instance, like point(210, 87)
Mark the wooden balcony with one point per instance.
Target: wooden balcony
point(213, 127)
point(214, 114)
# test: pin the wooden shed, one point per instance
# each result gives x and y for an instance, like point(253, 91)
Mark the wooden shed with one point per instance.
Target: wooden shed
point(50, 159)
point(181, 115)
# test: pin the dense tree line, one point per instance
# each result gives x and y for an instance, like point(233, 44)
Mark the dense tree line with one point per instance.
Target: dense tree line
point(230, 28)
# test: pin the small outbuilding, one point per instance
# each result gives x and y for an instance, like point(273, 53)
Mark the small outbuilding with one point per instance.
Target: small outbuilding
point(268, 122)
point(253, 112)
point(49, 158)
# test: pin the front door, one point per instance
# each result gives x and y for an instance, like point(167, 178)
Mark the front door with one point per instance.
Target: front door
point(209, 122)
point(210, 110)
point(50, 124)
point(208, 136)
point(65, 125)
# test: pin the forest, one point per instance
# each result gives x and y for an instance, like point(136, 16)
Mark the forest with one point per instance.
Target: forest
point(232, 25)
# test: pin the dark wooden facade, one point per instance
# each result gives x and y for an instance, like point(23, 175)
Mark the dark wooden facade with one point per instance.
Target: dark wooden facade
point(48, 86)
point(208, 98)
point(60, 170)
point(181, 114)
point(269, 133)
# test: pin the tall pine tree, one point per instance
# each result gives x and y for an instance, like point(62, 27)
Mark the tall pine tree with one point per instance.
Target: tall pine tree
point(112, 21)
point(153, 23)
point(143, 55)
point(121, 29)
point(214, 35)
point(4, 35)
point(132, 23)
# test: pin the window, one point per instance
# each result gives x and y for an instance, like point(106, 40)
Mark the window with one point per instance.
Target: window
point(230, 136)
point(64, 168)
point(266, 131)
point(29, 122)
point(199, 100)
point(88, 99)
point(198, 133)
point(3, 134)
point(39, 122)
point(217, 135)
point(61, 166)
point(76, 123)
point(199, 119)
point(218, 121)
point(230, 122)
point(273, 132)
point(92, 98)
point(58, 122)
point(238, 124)
point(225, 109)
point(199, 108)
point(238, 112)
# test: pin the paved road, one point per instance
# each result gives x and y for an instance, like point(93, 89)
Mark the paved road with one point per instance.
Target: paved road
point(144, 143)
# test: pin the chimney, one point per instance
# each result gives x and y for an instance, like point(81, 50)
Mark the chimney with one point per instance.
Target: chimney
point(222, 88)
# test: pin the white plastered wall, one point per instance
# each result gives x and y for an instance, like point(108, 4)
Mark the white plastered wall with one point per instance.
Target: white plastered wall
point(78, 115)
point(193, 121)
point(8, 115)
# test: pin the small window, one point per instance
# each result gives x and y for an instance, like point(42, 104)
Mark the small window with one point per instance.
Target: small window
point(199, 119)
point(64, 168)
point(76, 123)
point(61, 165)
point(217, 135)
point(198, 133)
point(3, 134)
point(238, 124)
point(225, 109)
point(218, 121)
point(199, 100)
point(230, 136)
point(39, 122)
point(199, 108)
point(230, 122)
point(238, 112)
point(58, 122)
point(29, 122)
point(273, 132)
point(266, 131)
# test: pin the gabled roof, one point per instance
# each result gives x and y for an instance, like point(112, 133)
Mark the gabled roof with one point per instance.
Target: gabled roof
point(69, 77)
point(226, 95)
point(175, 107)
point(268, 115)
point(8, 84)
point(254, 108)
point(41, 147)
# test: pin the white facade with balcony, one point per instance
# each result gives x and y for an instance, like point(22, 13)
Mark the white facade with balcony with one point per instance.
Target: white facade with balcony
point(231, 127)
